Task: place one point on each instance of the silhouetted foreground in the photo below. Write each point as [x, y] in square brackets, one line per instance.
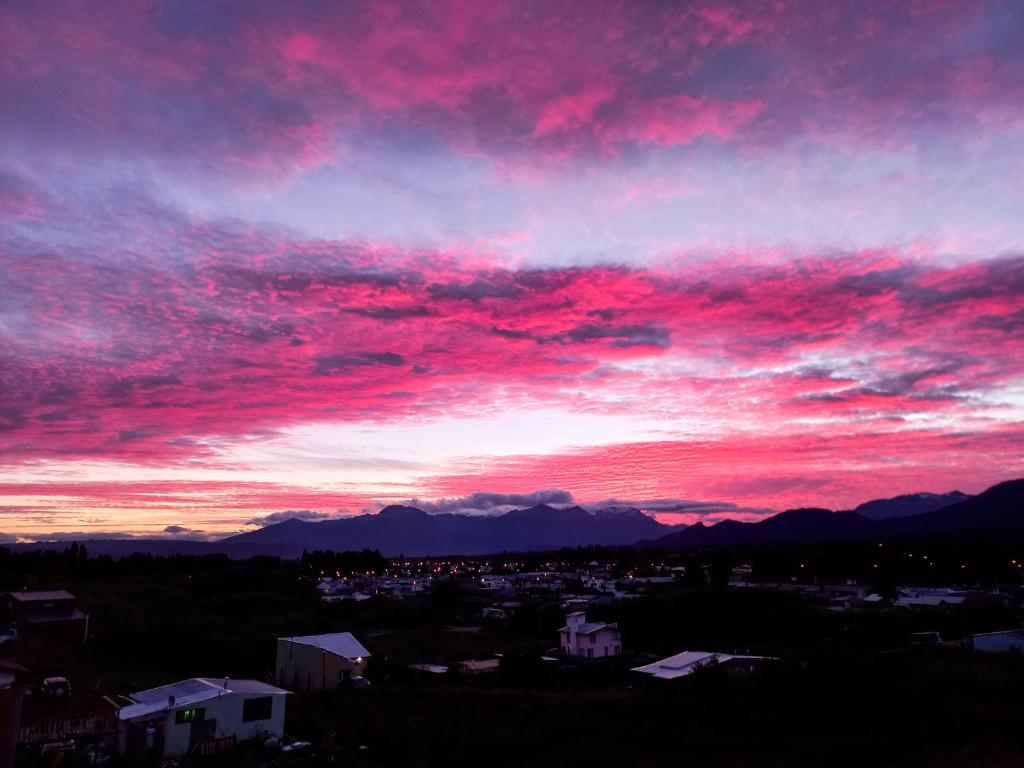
[848, 689]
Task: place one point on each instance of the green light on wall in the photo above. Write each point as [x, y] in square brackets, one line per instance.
[191, 715]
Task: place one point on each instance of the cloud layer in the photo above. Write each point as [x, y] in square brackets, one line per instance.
[764, 253]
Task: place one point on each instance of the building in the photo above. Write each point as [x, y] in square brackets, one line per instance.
[999, 642]
[200, 716]
[686, 663]
[47, 616]
[479, 667]
[924, 597]
[589, 640]
[320, 662]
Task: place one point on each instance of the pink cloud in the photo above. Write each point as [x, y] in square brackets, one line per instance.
[782, 471]
[249, 332]
[255, 88]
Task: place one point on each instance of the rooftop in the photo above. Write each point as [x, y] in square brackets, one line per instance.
[340, 644]
[589, 627]
[188, 692]
[687, 663]
[1018, 633]
[42, 596]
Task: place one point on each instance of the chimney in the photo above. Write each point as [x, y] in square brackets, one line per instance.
[573, 621]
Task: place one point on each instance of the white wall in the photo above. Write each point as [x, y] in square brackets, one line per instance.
[998, 642]
[302, 667]
[227, 711]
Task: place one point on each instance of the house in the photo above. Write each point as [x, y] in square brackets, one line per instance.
[998, 642]
[45, 616]
[199, 716]
[686, 663]
[589, 640]
[319, 662]
[479, 666]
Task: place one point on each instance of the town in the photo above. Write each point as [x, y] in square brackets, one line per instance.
[354, 658]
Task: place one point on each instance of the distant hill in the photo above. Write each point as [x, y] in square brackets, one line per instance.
[999, 508]
[407, 530]
[911, 504]
[793, 525]
[411, 531]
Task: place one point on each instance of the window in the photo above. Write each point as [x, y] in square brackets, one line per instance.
[190, 715]
[257, 709]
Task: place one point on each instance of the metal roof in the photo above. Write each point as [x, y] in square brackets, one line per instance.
[340, 644]
[189, 692]
[41, 596]
[590, 627]
[687, 662]
[1017, 633]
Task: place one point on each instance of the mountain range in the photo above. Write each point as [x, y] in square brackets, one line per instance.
[408, 530]
[911, 504]
[1001, 507]
[398, 530]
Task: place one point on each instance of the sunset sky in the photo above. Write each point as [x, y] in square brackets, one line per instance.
[261, 256]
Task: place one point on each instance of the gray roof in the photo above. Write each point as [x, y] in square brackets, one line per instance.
[687, 662]
[1017, 633]
[189, 692]
[340, 644]
[42, 596]
[590, 627]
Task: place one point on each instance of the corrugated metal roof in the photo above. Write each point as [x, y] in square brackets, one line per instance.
[189, 692]
[340, 644]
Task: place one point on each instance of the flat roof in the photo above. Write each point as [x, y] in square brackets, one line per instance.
[339, 643]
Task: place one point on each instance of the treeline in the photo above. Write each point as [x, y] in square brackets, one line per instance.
[46, 567]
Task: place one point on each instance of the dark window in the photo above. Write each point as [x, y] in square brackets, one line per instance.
[257, 709]
[191, 715]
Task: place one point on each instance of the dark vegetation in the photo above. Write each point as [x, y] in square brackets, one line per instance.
[847, 691]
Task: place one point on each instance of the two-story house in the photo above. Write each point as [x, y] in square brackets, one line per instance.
[589, 640]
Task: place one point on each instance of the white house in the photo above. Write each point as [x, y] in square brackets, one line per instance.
[319, 662]
[589, 640]
[199, 716]
[688, 662]
[1007, 640]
